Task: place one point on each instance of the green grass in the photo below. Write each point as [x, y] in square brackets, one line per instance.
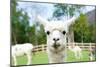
[41, 58]
[71, 57]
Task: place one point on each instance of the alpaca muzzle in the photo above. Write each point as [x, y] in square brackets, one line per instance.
[55, 45]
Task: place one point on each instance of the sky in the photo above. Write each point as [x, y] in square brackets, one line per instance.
[43, 9]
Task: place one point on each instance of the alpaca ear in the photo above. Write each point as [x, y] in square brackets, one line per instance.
[71, 21]
[41, 20]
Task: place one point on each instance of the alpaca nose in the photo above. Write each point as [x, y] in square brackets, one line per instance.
[56, 39]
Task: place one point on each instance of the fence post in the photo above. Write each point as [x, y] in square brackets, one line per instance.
[43, 48]
[90, 52]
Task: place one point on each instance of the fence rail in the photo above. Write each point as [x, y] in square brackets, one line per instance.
[84, 46]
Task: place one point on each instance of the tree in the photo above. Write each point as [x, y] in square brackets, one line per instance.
[19, 24]
[31, 34]
[41, 36]
[92, 32]
[81, 29]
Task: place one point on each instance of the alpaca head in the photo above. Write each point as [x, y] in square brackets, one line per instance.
[56, 32]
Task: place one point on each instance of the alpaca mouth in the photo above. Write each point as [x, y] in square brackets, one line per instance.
[55, 45]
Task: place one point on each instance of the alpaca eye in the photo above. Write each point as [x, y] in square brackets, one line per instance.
[64, 32]
[48, 32]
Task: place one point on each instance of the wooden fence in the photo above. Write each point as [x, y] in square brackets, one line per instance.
[84, 46]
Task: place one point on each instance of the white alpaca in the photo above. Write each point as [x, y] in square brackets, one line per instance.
[77, 51]
[56, 38]
[20, 50]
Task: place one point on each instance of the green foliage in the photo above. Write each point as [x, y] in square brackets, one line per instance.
[92, 32]
[31, 34]
[19, 24]
[21, 31]
[41, 36]
[83, 31]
